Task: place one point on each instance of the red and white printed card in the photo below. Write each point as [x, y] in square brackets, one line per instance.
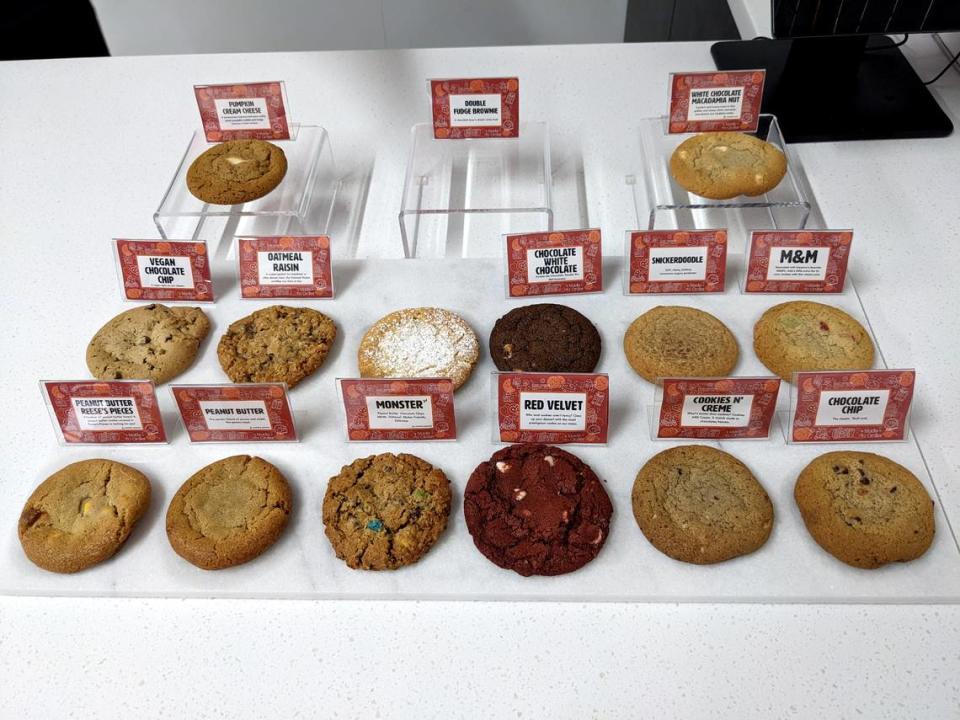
[677, 261]
[475, 108]
[285, 267]
[798, 261]
[167, 270]
[554, 263]
[552, 407]
[851, 406]
[88, 412]
[714, 101]
[235, 413]
[718, 408]
[243, 111]
[398, 408]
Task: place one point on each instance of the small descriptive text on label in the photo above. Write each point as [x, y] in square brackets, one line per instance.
[89, 412]
[235, 414]
[551, 408]
[472, 110]
[107, 413]
[242, 113]
[717, 408]
[676, 261]
[398, 408]
[553, 411]
[561, 262]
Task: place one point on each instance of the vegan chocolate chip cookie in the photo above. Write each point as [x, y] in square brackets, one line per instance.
[82, 514]
[545, 338]
[802, 335]
[228, 512]
[276, 344]
[537, 510]
[385, 511]
[723, 165]
[153, 342]
[865, 509]
[237, 171]
[680, 342]
[701, 505]
[419, 342]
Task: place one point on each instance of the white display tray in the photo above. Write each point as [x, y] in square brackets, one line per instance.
[789, 568]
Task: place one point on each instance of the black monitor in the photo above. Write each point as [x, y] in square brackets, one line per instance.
[833, 74]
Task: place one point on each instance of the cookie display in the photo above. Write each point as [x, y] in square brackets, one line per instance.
[82, 514]
[237, 171]
[276, 344]
[805, 336]
[153, 342]
[537, 510]
[386, 511]
[419, 342]
[701, 505]
[723, 165]
[228, 512]
[545, 338]
[865, 509]
[673, 341]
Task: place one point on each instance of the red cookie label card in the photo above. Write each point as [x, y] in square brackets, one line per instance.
[551, 407]
[165, 270]
[798, 261]
[715, 101]
[718, 408]
[285, 267]
[851, 406]
[554, 263]
[677, 261]
[475, 108]
[235, 413]
[398, 408]
[89, 412]
[243, 111]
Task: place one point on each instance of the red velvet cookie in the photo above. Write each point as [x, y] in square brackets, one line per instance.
[537, 510]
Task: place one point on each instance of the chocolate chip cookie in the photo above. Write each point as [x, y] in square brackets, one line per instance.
[419, 342]
[701, 505]
[804, 336]
[276, 344]
[228, 512]
[679, 342]
[723, 165]
[237, 171]
[545, 338]
[82, 514]
[153, 342]
[865, 509]
[385, 511]
[537, 510]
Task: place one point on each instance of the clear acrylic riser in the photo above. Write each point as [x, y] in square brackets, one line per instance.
[303, 203]
[662, 204]
[461, 196]
[790, 567]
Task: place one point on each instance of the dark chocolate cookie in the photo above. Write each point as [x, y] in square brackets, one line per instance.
[545, 338]
[537, 510]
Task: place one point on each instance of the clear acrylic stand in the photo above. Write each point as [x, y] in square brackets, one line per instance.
[662, 204]
[302, 204]
[461, 196]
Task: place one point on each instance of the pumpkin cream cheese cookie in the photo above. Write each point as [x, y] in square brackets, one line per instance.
[82, 514]
[807, 336]
[419, 342]
[237, 171]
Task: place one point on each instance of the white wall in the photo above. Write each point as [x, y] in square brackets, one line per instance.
[152, 27]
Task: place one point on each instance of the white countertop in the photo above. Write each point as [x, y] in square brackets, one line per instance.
[87, 149]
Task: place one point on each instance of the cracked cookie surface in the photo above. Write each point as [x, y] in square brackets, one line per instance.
[700, 505]
[675, 341]
[236, 171]
[865, 509]
[723, 165]
[276, 344]
[385, 511]
[545, 338]
[82, 514]
[802, 335]
[537, 510]
[153, 342]
[228, 512]
[419, 342]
